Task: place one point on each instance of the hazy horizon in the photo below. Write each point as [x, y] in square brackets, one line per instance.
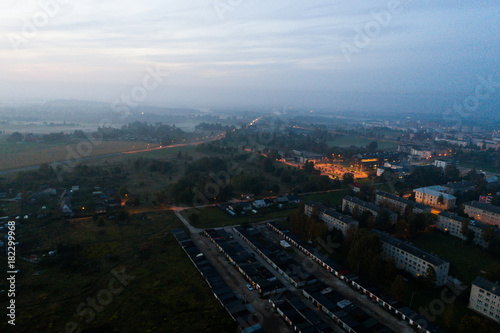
[388, 55]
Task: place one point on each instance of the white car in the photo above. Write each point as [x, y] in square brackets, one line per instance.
[249, 287]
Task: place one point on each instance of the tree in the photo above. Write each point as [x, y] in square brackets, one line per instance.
[440, 199]
[350, 235]
[376, 271]
[123, 191]
[451, 172]
[348, 178]
[464, 230]
[101, 221]
[382, 221]
[390, 269]
[309, 167]
[355, 212]
[398, 288]
[488, 234]
[15, 137]
[430, 276]
[366, 246]
[474, 324]
[161, 197]
[372, 146]
[449, 317]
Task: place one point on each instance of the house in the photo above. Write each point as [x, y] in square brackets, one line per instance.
[421, 152]
[269, 202]
[485, 298]
[100, 208]
[412, 259]
[483, 212]
[259, 204]
[435, 197]
[356, 187]
[493, 182]
[381, 170]
[66, 209]
[444, 163]
[246, 205]
[293, 199]
[281, 200]
[112, 202]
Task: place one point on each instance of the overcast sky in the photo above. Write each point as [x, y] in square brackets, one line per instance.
[237, 52]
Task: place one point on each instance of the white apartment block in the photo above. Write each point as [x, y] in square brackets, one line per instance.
[399, 205]
[431, 195]
[332, 218]
[443, 163]
[412, 259]
[348, 204]
[483, 212]
[485, 298]
[452, 224]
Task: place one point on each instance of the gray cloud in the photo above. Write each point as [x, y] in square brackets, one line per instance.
[280, 46]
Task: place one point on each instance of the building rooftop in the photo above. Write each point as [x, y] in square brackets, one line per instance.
[362, 203]
[459, 185]
[484, 206]
[435, 191]
[341, 217]
[402, 200]
[435, 260]
[487, 285]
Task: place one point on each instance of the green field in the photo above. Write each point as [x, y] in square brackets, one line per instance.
[166, 293]
[333, 198]
[468, 260]
[13, 147]
[481, 167]
[213, 217]
[358, 141]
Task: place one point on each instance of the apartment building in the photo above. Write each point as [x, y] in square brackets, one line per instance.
[411, 258]
[435, 197]
[399, 205]
[348, 204]
[483, 212]
[452, 224]
[332, 218]
[485, 298]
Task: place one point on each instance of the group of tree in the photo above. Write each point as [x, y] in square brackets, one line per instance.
[309, 228]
